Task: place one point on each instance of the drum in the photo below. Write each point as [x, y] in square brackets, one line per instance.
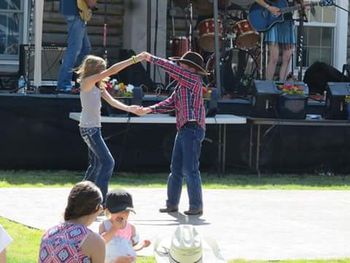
[206, 30]
[246, 36]
[179, 46]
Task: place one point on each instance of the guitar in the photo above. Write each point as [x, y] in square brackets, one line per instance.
[85, 8]
[262, 20]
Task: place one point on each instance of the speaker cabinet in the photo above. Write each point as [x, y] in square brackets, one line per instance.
[292, 106]
[336, 107]
[264, 100]
[51, 57]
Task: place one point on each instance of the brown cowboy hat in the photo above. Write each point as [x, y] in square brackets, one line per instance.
[192, 59]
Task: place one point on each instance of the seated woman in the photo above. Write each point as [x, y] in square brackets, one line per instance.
[72, 241]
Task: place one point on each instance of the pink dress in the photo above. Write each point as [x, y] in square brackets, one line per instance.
[62, 243]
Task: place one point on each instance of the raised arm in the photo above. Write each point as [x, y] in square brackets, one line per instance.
[184, 77]
[114, 69]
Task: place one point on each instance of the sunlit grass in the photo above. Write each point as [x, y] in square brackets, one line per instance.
[157, 180]
[25, 247]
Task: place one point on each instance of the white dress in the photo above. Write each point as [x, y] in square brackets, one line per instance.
[5, 239]
[121, 243]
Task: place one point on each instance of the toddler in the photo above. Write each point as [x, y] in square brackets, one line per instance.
[120, 236]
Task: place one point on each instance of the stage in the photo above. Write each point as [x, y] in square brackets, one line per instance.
[37, 133]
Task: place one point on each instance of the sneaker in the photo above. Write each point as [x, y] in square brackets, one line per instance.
[168, 210]
[194, 212]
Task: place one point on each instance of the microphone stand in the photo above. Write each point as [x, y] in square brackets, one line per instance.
[155, 38]
[300, 42]
[217, 48]
[149, 33]
[190, 33]
[105, 56]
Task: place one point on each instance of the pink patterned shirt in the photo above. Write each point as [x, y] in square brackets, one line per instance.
[187, 98]
[62, 243]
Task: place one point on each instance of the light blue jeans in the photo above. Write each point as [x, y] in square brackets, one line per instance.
[101, 162]
[185, 163]
[78, 46]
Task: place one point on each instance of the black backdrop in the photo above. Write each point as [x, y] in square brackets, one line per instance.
[36, 133]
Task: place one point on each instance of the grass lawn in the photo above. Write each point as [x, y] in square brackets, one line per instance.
[26, 243]
[25, 247]
[210, 181]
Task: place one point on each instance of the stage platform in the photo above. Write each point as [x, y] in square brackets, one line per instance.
[37, 133]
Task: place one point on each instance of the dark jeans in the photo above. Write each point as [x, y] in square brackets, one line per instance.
[101, 162]
[185, 163]
[78, 46]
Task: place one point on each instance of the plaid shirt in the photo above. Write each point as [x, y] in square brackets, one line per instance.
[187, 98]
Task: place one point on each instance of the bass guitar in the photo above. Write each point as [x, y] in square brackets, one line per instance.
[85, 8]
[262, 19]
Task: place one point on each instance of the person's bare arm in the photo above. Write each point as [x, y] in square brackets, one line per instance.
[91, 3]
[94, 248]
[119, 223]
[90, 81]
[118, 104]
[274, 10]
[3, 256]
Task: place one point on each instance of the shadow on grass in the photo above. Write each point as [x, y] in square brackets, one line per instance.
[230, 181]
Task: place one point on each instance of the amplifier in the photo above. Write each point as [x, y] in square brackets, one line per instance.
[336, 105]
[51, 57]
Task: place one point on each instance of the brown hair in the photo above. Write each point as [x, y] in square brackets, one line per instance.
[83, 199]
[92, 65]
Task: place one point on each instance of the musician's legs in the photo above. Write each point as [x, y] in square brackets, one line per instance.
[286, 59]
[273, 59]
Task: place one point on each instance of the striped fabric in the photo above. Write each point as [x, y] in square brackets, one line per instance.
[187, 98]
[62, 244]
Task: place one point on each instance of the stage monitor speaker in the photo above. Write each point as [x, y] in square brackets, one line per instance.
[264, 101]
[336, 107]
[292, 106]
[51, 57]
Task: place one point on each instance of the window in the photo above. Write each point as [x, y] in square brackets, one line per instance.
[11, 21]
[319, 36]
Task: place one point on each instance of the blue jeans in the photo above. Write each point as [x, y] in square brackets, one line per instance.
[78, 46]
[185, 163]
[101, 162]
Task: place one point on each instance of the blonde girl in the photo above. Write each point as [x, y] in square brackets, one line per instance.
[92, 76]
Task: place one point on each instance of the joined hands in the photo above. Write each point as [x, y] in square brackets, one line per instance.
[139, 110]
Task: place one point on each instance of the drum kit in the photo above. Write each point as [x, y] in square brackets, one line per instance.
[236, 35]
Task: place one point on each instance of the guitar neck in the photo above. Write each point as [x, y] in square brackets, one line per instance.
[295, 7]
